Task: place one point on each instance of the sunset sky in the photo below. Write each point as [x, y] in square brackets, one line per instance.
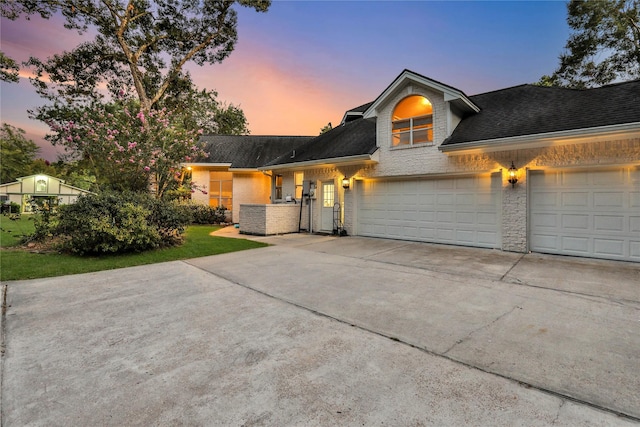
[302, 64]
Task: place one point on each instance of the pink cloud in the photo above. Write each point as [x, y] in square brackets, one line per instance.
[278, 94]
[37, 37]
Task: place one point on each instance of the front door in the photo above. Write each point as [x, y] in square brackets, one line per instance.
[326, 212]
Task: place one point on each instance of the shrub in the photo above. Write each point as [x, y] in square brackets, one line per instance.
[120, 222]
[202, 214]
[10, 208]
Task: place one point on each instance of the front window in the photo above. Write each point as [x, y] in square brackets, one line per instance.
[277, 187]
[328, 194]
[412, 122]
[41, 185]
[221, 189]
[299, 178]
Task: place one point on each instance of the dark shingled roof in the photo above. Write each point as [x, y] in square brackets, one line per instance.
[361, 109]
[248, 151]
[355, 113]
[351, 139]
[529, 110]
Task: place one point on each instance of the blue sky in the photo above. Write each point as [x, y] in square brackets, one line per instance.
[303, 63]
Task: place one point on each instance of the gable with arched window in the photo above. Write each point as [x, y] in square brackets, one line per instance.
[412, 122]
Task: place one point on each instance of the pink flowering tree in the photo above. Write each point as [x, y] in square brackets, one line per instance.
[127, 149]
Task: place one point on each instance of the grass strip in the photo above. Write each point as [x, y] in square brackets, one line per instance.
[18, 264]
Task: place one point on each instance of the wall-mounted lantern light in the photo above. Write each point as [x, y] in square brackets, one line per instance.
[513, 175]
[345, 183]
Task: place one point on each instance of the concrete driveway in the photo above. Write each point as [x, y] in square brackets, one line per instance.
[319, 330]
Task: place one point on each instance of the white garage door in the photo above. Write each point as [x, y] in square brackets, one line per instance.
[586, 213]
[461, 211]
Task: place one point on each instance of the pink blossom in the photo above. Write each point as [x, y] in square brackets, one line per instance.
[147, 168]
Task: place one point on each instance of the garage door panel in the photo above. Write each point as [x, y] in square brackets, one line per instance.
[591, 213]
[487, 237]
[609, 223]
[467, 199]
[458, 211]
[547, 242]
[574, 221]
[574, 179]
[445, 217]
[426, 233]
[575, 244]
[549, 220]
[466, 217]
[608, 199]
[466, 236]
[608, 247]
[444, 184]
[445, 199]
[544, 199]
[446, 235]
[575, 199]
[635, 251]
[488, 218]
[608, 178]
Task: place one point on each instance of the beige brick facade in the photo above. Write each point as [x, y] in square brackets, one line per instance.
[248, 187]
[270, 219]
[429, 161]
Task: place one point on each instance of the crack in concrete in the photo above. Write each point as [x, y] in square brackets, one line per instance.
[460, 341]
[512, 267]
[367, 257]
[562, 403]
[622, 302]
[559, 395]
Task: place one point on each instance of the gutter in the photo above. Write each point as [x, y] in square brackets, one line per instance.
[546, 139]
[359, 158]
[222, 165]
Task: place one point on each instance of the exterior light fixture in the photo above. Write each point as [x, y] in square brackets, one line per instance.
[513, 175]
[345, 183]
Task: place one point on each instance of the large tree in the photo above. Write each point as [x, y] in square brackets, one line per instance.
[140, 45]
[8, 69]
[16, 153]
[604, 45]
[126, 148]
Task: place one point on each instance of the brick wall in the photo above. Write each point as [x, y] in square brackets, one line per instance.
[269, 219]
[249, 188]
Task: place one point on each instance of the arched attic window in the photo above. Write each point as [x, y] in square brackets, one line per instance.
[412, 122]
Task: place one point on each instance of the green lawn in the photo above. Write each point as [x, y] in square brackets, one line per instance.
[17, 264]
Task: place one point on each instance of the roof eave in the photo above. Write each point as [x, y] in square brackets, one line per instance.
[232, 169]
[348, 114]
[205, 164]
[574, 136]
[450, 93]
[342, 161]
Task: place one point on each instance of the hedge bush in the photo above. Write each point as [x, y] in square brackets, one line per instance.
[203, 214]
[118, 223]
[10, 208]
